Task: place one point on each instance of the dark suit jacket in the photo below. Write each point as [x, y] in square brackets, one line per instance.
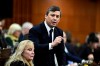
[71, 56]
[18, 63]
[22, 37]
[44, 56]
[87, 50]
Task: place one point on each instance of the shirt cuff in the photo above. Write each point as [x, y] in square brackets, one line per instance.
[83, 61]
[66, 50]
[50, 48]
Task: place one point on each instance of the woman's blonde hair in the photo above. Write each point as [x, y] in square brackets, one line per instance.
[17, 56]
[14, 27]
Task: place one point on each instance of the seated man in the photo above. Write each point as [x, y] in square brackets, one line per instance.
[69, 56]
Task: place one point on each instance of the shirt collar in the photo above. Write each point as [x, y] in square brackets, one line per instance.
[47, 27]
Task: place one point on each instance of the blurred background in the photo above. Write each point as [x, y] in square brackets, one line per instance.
[79, 17]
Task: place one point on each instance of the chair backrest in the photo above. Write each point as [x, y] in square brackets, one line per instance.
[5, 53]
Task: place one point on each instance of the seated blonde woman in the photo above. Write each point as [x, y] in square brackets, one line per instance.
[13, 34]
[23, 55]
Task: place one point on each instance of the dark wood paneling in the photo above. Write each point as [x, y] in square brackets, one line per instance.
[22, 11]
[98, 17]
[80, 17]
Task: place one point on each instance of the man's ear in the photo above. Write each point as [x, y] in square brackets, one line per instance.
[45, 16]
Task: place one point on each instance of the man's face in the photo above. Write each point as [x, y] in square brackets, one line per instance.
[0, 27]
[2, 22]
[52, 18]
[95, 45]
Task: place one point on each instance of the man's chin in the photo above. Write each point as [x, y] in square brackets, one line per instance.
[54, 25]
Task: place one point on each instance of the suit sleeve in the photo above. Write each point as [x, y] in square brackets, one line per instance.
[73, 58]
[59, 50]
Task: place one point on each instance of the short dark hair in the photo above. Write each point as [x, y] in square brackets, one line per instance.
[92, 38]
[53, 8]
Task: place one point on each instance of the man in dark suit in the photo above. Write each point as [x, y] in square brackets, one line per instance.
[3, 43]
[45, 46]
[70, 56]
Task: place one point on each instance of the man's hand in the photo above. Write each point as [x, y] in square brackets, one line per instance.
[56, 41]
[90, 57]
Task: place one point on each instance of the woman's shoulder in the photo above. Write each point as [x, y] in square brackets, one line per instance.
[18, 63]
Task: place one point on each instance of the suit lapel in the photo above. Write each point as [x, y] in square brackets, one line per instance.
[55, 33]
[44, 31]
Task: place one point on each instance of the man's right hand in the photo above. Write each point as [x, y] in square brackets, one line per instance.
[56, 41]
